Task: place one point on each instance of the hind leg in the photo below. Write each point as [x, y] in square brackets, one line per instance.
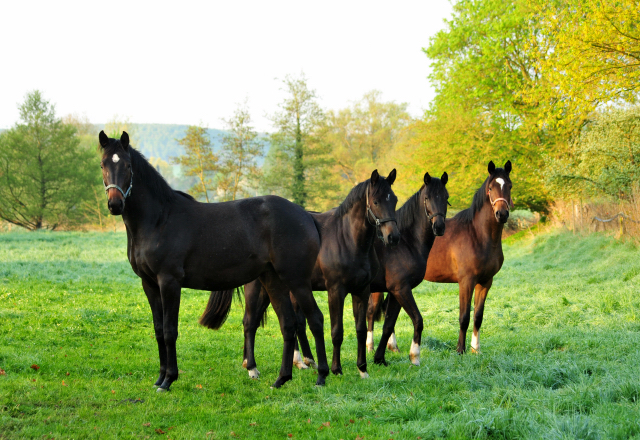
[375, 302]
[301, 334]
[336, 309]
[466, 289]
[155, 301]
[279, 296]
[478, 311]
[256, 302]
[405, 298]
[390, 318]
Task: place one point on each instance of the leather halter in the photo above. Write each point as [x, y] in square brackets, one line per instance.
[493, 202]
[113, 185]
[377, 221]
[430, 216]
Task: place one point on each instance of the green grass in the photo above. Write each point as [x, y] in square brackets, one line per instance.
[559, 342]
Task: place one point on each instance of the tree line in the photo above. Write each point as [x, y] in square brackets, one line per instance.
[550, 85]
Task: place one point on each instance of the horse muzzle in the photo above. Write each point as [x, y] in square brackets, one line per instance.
[502, 215]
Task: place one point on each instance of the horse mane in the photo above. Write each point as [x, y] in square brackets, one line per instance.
[354, 196]
[406, 215]
[467, 215]
[147, 173]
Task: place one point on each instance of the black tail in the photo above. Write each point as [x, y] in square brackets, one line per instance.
[218, 308]
[263, 320]
[379, 311]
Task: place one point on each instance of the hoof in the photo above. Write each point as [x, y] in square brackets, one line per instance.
[298, 361]
[162, 390]
[475, 350]
[414, 354]
[337, 371]
[159, 381]
[254, 373]
[321, 381]
[393, 348]
[416, 362]
[382, 362]
[369, 348]
[310, 362]
[281, 381]
[363, 374]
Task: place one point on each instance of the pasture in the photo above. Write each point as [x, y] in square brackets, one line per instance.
[560, 356]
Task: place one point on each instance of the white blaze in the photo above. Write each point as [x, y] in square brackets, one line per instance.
[414, 353]
[500, 180]
[115, 158]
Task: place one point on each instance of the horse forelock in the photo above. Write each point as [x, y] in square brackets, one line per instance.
[359, 191]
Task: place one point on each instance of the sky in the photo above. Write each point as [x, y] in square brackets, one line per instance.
[194, 62]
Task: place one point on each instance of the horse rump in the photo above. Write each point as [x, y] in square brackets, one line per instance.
[218, 307]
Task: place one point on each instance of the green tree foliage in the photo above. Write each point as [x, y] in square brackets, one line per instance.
[198, 160]
[44, 175]
[291, 163]
[606, 158]
[482, 63]
[240, 147]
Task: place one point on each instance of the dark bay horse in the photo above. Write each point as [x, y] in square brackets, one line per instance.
[174, 241]
[402, 267]
[470, 251]
[346, 264]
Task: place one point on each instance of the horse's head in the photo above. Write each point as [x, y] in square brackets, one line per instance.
[499, 191]
[381, 207]
[116, 170]
[436, 199]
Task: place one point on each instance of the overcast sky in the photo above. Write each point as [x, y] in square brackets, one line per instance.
[192, 62]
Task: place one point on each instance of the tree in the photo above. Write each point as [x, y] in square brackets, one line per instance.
[592, 48]
[198, 160]
[483, 63]
[239, 150]
[44, 175]
[287, 167]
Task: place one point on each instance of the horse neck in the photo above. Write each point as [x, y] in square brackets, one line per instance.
[488, 229]
[419, 231]
[142, 207]
[361, 232]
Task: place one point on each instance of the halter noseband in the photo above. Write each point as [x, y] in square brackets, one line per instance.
[430, 216]
[493, 202]
[378, 221]
[124, 194]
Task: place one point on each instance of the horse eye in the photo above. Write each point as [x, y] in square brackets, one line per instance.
[375, 202]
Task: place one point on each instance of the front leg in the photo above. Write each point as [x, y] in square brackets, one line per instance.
[390, 318]
[336, 308]
[170, 293]
[466, 288]
[360, 301]
[155, 301]
[478, 312]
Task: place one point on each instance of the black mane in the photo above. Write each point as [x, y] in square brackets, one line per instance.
[406, 215]
[358, 192]
[467, 215]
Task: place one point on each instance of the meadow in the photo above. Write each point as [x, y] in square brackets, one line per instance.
[559, 343]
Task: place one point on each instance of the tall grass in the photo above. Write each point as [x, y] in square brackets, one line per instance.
[559, 354]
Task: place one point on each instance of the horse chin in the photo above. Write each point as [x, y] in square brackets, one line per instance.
[502, 218]
[116, 210]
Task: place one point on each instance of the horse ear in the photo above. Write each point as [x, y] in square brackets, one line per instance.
[124, 140]
[427, 178]
[374, 177]
[492, 167]
[507, 166]
[445, 178]
[391, 177]
[104, 139]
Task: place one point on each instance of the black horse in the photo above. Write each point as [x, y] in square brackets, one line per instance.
[420, 220]
[174, 241]
[346, 264]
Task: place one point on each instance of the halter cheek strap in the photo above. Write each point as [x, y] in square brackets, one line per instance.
[377, 221]
[124, 194]
[430, 216]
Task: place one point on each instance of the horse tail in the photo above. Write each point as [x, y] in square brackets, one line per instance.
[382, 307]
[263, 320]
[218, 308]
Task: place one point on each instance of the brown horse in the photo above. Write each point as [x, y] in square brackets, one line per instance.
[470, 252]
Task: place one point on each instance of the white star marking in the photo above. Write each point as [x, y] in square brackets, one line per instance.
[115, 158]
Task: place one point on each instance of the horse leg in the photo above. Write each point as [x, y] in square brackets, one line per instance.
[405, 298]
[390, 318]
[360, 301]
[155, 301]
[478, 312]
[256, 302]
[279, 295]
[170, 294]
[306, 301]
[466, 289]
[336, 309]
[375, 302]
[301, 333]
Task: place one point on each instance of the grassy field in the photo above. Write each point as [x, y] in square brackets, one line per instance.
[560, 354]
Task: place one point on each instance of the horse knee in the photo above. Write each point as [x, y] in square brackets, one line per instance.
[170, 335]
